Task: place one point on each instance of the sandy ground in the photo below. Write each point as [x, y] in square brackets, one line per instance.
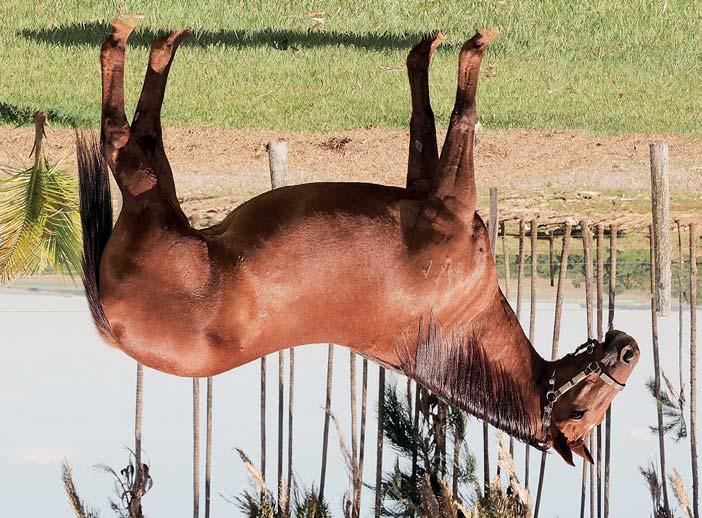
[216, 169]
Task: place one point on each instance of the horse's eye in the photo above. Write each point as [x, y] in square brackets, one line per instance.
[577, 414]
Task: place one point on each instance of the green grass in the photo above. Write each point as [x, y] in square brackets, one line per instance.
[602, 66]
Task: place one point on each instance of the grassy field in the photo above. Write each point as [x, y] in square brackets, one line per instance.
[327, 65]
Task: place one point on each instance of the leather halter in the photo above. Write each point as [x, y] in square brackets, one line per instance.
[554, 394]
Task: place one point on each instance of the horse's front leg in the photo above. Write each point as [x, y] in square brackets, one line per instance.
[455, 181]
[146, 125]
[423, 152]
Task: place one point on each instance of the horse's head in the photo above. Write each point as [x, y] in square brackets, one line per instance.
[581, 388]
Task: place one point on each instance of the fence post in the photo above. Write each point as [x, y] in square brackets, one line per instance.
[278, 162]
[493, 221]
[660, 207]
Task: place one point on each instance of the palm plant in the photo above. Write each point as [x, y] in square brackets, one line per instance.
[402, 496]
[672, 410]
[78, 506]
[511, 501]
[654, 486]
[261, 503]
[131, 485]
[129, 489]
[38, 216]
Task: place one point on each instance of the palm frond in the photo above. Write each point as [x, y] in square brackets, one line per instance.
[38, 218]
[673, 416]
[21, 223]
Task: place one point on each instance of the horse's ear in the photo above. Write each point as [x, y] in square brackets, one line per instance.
[580, 448]
[560, 444]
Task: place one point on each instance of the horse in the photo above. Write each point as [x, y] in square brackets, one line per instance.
[401, 275]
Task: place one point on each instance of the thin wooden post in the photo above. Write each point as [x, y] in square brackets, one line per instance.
[493, 245]
[608, 416]
[379, 443]
[281, 420]
[196, 447]
[657, 367]
[612, 274]
[681, 303]
[415, 450]
[660, 206]
[278, 163]
[550, 258]
[600, 338]
[520, 279]
[263, 418]
[532, 318]
[505, 256]
[327, 415]
[587, 262]
[556, 338]
[362, 435]
[493, 221]
[354, 428]
[138, 414]
[208, 448]
[520, 269]
[693, 370]
[291, 409]
[562, 273]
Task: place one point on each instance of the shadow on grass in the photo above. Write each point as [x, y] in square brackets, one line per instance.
[93, 33]
[20, 115]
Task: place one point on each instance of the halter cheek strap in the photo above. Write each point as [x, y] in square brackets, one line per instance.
[554, 394]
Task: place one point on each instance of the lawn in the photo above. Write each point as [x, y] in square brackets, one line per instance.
[329, 65]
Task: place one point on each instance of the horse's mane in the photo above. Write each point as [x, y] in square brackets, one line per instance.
[457, 368]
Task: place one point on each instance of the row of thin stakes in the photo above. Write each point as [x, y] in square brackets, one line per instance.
[599, 488]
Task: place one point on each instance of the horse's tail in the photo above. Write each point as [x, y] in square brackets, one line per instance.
[96, 221]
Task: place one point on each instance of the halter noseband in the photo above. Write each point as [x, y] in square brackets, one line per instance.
[554, 394]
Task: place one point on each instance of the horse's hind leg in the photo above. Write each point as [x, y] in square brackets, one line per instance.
[455, 184]
[115, 130]
[134, 173]
[423, 152]
[146, 126]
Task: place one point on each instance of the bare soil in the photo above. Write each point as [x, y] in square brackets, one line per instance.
[556, 173]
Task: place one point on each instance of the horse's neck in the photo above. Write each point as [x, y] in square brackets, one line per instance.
[489, 369]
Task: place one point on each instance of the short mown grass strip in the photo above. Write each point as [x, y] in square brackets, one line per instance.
[598, 65]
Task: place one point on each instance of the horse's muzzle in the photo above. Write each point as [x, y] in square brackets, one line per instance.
[620, 348]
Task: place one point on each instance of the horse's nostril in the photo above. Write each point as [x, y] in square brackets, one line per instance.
[627, 354]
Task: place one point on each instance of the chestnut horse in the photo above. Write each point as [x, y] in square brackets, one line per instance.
[403, 276]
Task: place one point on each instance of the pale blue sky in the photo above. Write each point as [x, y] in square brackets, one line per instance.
[64, 394]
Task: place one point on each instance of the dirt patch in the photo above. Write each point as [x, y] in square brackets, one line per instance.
[530, 167]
